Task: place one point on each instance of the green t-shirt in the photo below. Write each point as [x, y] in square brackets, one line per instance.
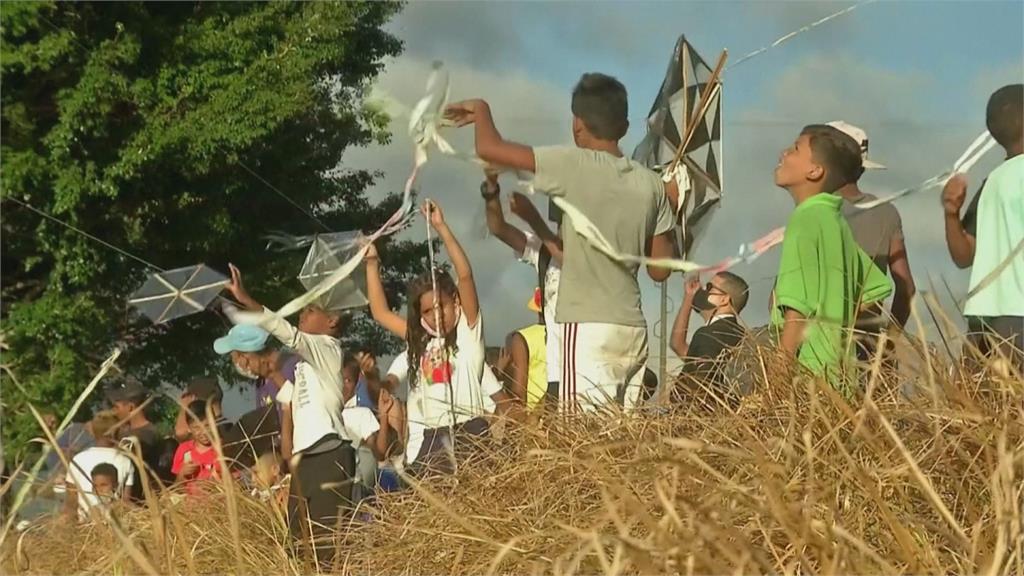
[825, 276]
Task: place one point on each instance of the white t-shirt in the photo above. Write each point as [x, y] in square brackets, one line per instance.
[80, 475]
[431, 405]
[315, 406]
[360, 423]
[531, 256]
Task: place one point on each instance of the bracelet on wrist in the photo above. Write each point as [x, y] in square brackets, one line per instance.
[487, 192]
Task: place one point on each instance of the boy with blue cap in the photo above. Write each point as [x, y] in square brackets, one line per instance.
[313, 433]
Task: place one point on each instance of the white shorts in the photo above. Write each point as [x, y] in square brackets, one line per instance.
[600, 363]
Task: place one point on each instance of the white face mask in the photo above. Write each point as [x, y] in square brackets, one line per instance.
[244, 373]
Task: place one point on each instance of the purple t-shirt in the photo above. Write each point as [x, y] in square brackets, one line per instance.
[267, 391]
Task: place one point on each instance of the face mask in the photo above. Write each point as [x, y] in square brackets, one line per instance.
[244, 373]
[700, 301]
[434, 333]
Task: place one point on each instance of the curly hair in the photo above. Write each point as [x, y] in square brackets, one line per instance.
[416, 337]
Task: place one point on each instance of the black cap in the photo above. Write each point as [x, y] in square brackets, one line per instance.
[205, 388]
[130, 390]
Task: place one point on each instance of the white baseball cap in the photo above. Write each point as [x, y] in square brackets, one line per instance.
[861, 138]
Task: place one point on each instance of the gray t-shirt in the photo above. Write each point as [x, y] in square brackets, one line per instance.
[627, 203]
[874, 228]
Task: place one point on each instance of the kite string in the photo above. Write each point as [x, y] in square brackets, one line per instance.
[797, 32]
[85, 234]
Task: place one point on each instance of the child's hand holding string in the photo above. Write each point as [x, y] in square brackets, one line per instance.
[432, 212]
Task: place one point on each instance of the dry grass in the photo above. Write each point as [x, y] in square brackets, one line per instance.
[796, 480]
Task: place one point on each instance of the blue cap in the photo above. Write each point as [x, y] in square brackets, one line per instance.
[242, 338]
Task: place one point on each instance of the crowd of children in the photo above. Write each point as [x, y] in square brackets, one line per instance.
[346, 429]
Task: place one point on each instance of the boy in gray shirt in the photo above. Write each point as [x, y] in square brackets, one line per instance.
[604, 333]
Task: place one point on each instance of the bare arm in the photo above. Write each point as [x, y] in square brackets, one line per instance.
[490, 146]
[681, 326]
[520, 355]
[463, 271]
[660, 246]
[792, 332]
[525, 209]
[181, 430]
[899, 266]
[71, 501]
[510, 235]
[958, 241]
[379, 308]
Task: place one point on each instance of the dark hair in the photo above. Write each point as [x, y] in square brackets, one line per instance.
[104, 469]
[600, 102]
[196, 412]
[1004, 115]
[736, 288]
[837, 153]
[416, 337]
[349, 363]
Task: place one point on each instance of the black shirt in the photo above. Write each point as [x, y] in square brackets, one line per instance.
[710, 349]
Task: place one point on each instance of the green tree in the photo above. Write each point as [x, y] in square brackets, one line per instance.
[163, 129]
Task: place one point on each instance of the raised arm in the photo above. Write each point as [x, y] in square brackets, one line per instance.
[490, 146]
[463, 271]
[959, 242]
[379, 308]
[512, 237]
[522, 207]
[682, 324]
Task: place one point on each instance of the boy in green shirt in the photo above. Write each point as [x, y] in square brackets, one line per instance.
[824, 277]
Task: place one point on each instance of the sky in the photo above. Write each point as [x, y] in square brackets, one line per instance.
[914, 74]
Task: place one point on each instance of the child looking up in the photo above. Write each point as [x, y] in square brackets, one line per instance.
[444, 362]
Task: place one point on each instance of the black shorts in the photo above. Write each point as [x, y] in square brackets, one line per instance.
[991, 333]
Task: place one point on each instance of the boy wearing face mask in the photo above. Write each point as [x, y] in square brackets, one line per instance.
[719, 303]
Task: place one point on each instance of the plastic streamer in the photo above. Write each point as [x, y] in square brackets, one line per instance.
[425, 123]
[750, 251]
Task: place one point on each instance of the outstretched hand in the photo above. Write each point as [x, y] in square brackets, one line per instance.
[235, 287]
[692, 286]
[462, 113]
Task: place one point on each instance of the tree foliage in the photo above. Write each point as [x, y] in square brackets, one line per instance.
[163, 129]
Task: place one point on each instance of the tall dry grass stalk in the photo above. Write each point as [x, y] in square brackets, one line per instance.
[921, 474]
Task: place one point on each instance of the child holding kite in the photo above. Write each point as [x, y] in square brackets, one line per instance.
[444, 363]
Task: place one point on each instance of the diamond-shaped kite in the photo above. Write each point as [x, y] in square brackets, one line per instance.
[175, 293]
[326, 254]
[686, 82]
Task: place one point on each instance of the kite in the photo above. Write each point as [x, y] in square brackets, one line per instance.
[425, 122]
[175, 293]
[326, 253]
[689, 102]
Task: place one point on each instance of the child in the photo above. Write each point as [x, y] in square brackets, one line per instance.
[991, 229]
[543, 250]
[824, 277]
[604, 333]
[444, 363]
[82, 495]
[196, 458]
[269, 484]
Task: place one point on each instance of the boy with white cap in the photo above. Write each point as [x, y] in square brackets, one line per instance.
[879, 232]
